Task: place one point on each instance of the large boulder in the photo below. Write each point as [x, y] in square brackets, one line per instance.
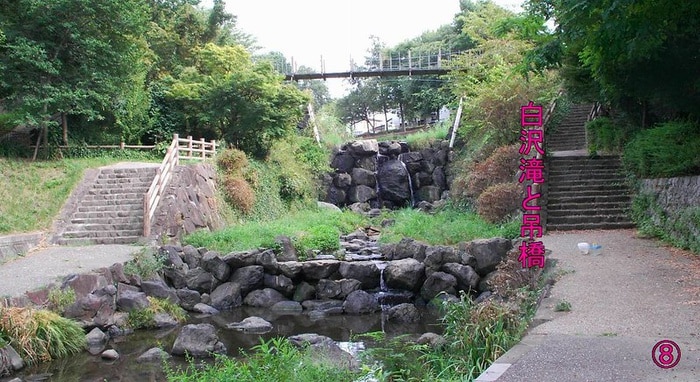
[96, 341]
[436, 256]
[407, 274]
[328, 289]
[280, 283]
[251, 325]
[158, 288]
[343, 162]
[393, 180]
[237, 260]
[408, 248]
[153, 355]
[214, 264]
[366, 272]
[466, 276]
[335, 196]
[360, 302]
[291, 269]
[263, 298]
[405, 313]
[324, 351]
[319, 269]
[200, 280]
[198, 340]
[488, 253]
[268, 261]
[364, 148]
[438, 282]
[128, 300]
[288, 251]
[362, 177]
[361, 194]
[188, 298]
[304, 291]
[226, 296]
[248, 278]
[192, 256]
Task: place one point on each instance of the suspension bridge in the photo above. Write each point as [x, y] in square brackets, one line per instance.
[389, 65]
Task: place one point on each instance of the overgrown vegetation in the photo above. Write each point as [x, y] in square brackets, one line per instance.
[666, 150]
[145, 318]
[681, 230]
[273, 360]
[145, 263]
[59, 299]
[40, 335]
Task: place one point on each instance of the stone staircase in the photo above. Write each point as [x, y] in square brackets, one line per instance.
[583, 192]
[108, 209]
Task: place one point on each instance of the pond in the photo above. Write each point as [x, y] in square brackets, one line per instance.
[341, 328]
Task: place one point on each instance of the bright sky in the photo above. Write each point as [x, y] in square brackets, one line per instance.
[305, 30]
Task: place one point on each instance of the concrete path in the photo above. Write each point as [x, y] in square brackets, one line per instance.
[50, 264]
[636, 293]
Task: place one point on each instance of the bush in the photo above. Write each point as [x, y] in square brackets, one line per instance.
[667, 150]
[40, 335]
[499, 201]
[604, 134]
[500, 167]
[145, 264]
[239, 193]
[145, 318]
[232, 161]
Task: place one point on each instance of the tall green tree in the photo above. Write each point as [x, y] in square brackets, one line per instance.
[72, 57]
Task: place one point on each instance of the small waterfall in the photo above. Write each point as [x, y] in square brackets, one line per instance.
[410, 182]
[383, 290]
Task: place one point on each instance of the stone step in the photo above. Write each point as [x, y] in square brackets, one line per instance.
[134, 208]
[573, 219]
[583, 187]
[131, 226]
[110, 197]
[559, 194]
[585, 178]
[111, 202]
[590, 226]
[102, 234]
[124, 181]
[100, 240]
[140, 185]
[117, 190]
[573, 199]
[556, 212]
[121, 171]
[622, 205]
[606, 172]
[106, 217]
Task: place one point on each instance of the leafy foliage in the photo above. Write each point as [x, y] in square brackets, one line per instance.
[146, 263]
[606, 134]
[667, 150]
[499, 202]
[145, 318]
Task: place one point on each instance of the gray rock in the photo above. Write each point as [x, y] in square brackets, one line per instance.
[429, 193]
[198, 340]
[367, 163]
[96, 341]
[164, 320]
[360, 302]
[287, 307]
[393, 182]
[291, 269]
[404, 313]
[226, 296]
[304, 291]
[322, 205]
[319, 269]
[409, 248]
[200, 280]
[343, 162]
[361, 194]
[188, 298]
[263, 298]
[438, 282]
[432, 339]
[158, 288]
[488, 253]
[205, 309]
[288, 251]
[110, 355]
[364, 148]
[436, 256]
[172, 256]
[10, 359]
[128, 300]
[280, 283]
[248, 278]
[330, 289]
[175, 277]
[153, 355]
[362, 177]
[366, 272]
[237, 260]
[192, 256]
[118, 275]
[253, 325]
[335, 196]
[325, 306]
[269, 262]
[214, 264]
[466, 276]
[342, 180]
[407, 274]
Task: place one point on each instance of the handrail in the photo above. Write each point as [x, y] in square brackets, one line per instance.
[152, 197]
[595, 111]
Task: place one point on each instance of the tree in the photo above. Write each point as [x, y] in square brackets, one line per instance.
[74, 57]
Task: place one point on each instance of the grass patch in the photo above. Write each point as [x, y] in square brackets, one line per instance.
[33, 193]
[59, 299]
[446, 227]
[297, 225]
[273, 360]
[562, 306]
[145, 318]
[40, 335]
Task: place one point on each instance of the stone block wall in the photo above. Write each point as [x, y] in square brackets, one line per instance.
[387, 174]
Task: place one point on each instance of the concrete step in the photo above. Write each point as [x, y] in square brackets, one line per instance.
[109, 197]
[581, 186]
[106, 217]
[573, 219]
[559, 194]
[590, 226]
[557, 212]
[607, 172]
[575, 199]
[125, 181]
[622, 205]
[102, 234]
[127, 226]
[111, 202]
[100, 240]
[134, 208]
[143, 185]
[117, 190]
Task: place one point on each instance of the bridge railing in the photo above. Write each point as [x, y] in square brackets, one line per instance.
[179, 148]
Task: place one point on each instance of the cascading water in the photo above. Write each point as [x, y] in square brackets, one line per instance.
[410, 182]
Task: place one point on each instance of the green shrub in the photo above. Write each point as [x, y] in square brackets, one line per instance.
[604, 134]
[59, 299]
[667, 150]
[40, 335]
[146, 263]
[500, 201]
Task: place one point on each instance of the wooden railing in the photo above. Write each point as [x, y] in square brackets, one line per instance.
[595, 111]
[179, 149]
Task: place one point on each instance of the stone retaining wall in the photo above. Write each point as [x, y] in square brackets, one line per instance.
[19, 244]
[387, 174]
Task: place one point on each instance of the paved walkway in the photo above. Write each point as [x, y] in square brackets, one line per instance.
[43, 266]
[636, 293]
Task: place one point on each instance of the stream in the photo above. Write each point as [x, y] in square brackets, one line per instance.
[341, 328]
